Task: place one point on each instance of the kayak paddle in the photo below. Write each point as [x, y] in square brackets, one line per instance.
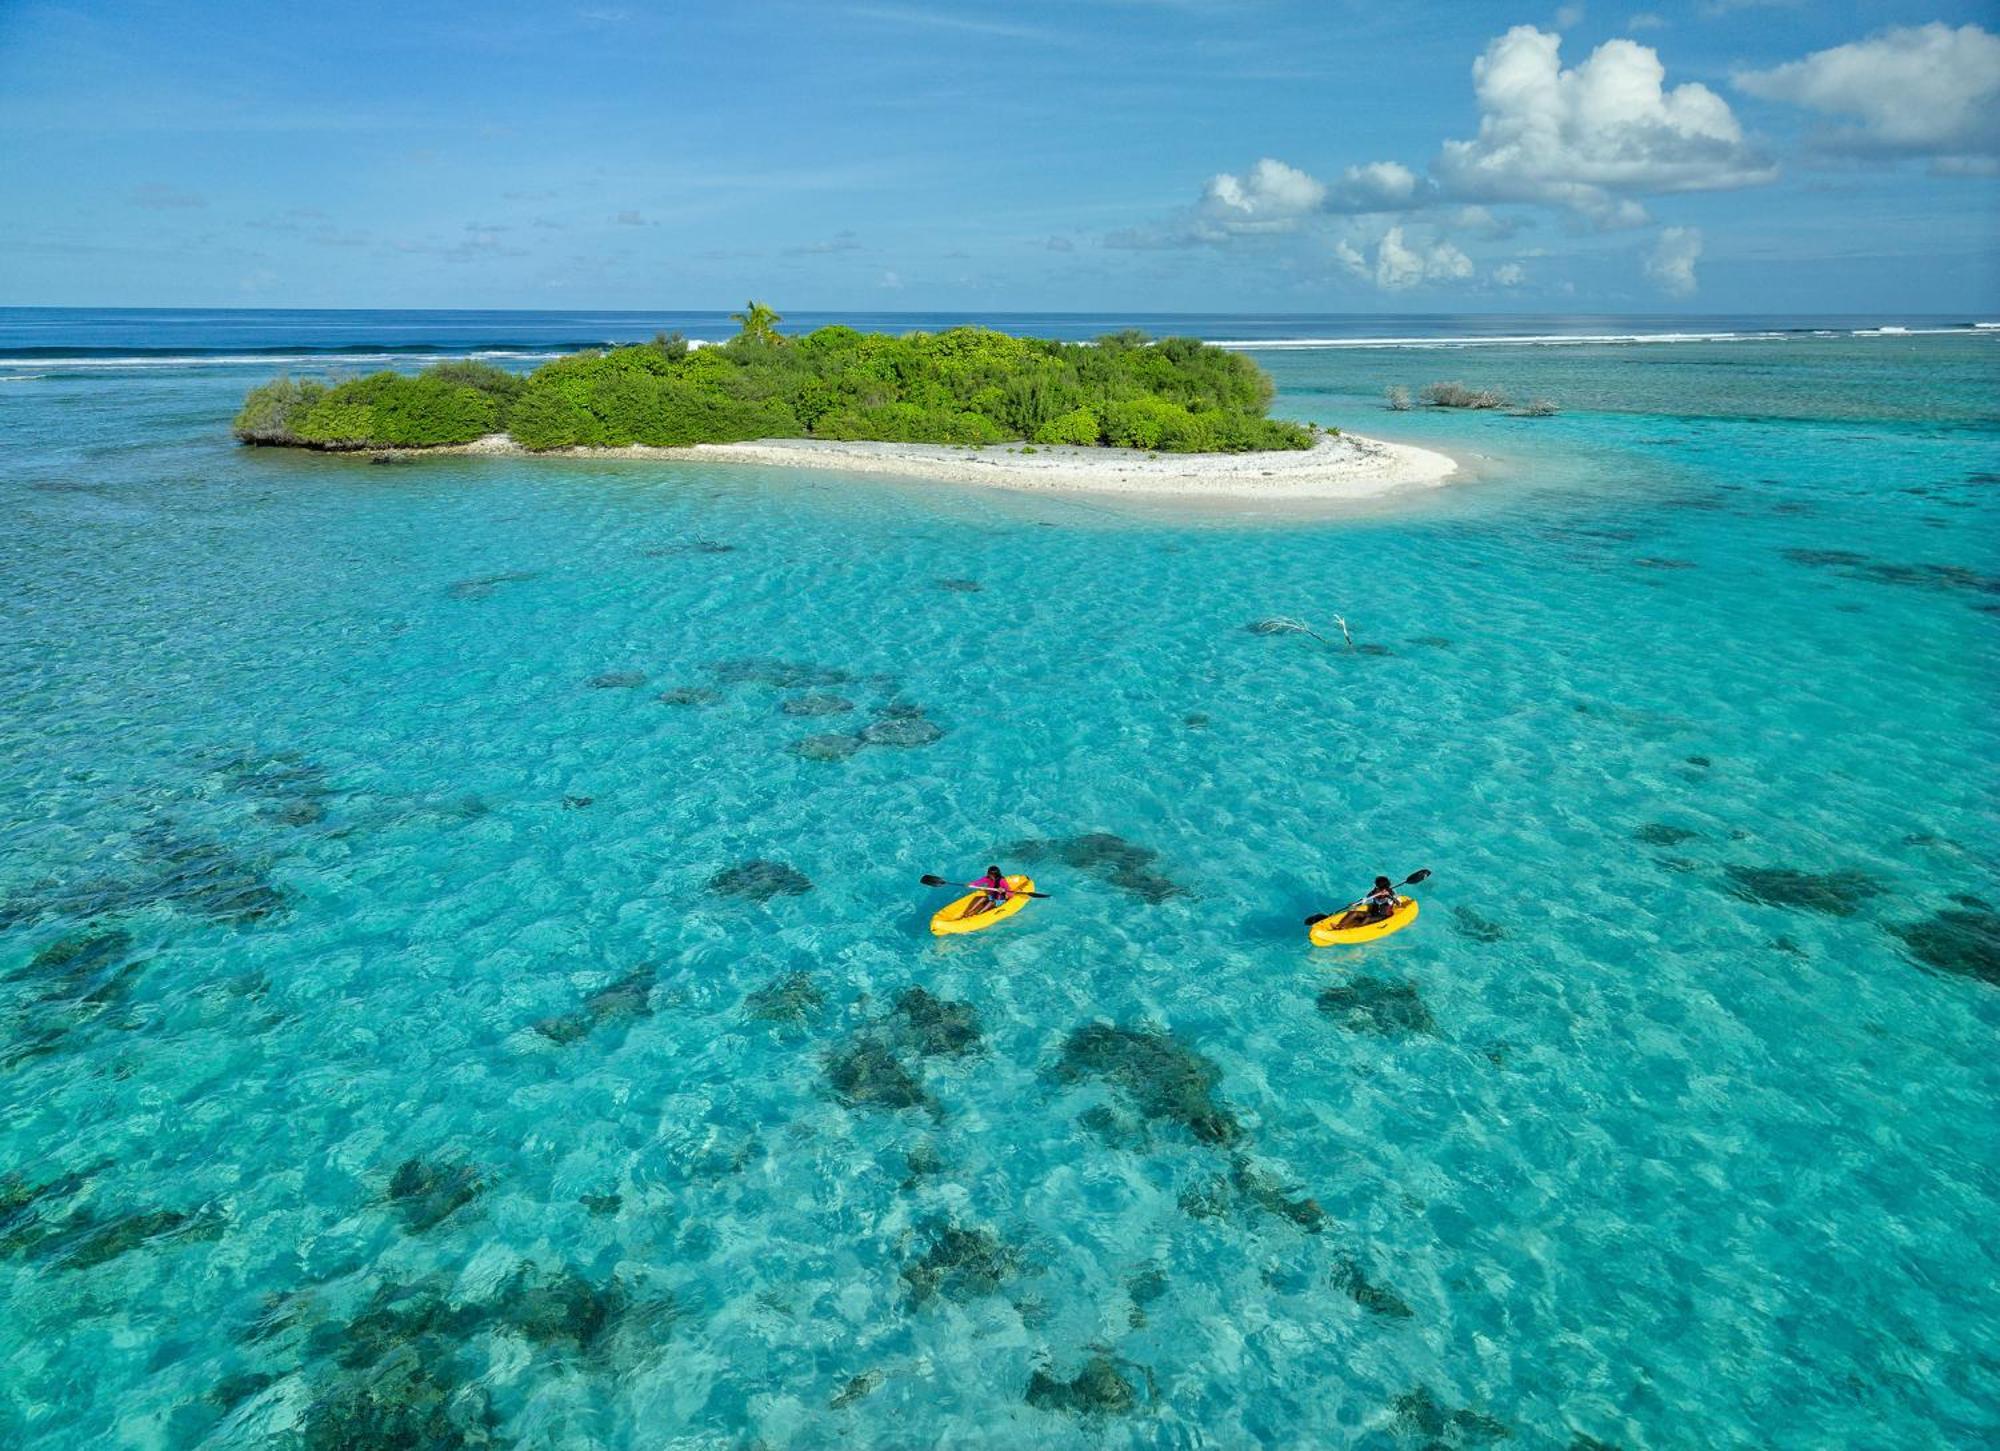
[1410, 881]
[931, 881]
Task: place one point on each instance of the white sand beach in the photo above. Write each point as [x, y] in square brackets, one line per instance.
[1340, 468]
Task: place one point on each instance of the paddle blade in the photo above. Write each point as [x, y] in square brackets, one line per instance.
[1317, 918]
[1415, 877]
[930, 881]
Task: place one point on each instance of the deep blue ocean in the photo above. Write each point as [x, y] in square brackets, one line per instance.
[464, 979]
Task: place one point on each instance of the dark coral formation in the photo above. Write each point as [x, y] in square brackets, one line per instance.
[690, 695]
[793, 999]
[1376, 1005]
[1919, 576]
[866, 1073]
[1660, 833]
[1961, 941]
[690, 546]
[816, 704]
[85, 1240]
[1377, 1299]
[1098, 1389]
[1162, 1078]
[560, 1309]
[1836, 894]
[760, 881]
[937, 1027]
[480, 586]
[1476, 925]
[961, 1265]
[960, 586]
[1268, 1194]
[856, 1388]
[1654, 562]
[411, 1397]
[783, 674]
[1124, 864]
[625, 1001]
[294, 791]
[424, 1193]
[825, 747]
[172, 869]
[1419, 1413]
[617, 680]
[902, 728]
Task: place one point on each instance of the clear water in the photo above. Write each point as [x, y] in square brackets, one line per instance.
[366, 1122]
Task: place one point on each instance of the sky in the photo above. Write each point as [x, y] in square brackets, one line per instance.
[1705, 156]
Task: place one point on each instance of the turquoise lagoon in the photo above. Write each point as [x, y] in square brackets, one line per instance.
[444, 1004]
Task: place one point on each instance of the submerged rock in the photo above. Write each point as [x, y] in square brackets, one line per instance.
[760, 881]
[1098, 1389]
[409, 1398]
[690, 546]
[624, 1001]
[867, 1074]
[825, 747]
[1124, 864]
[72, 962]
[1476, 926]
[961, 1265]
[617, 680]
[815, 705]
[482, 585]
[1267, 1194]
[857, 1387]
[1920, 576]
[901, 731]
[425, 1194]
[84, 1242]
[690, 695]
[784, 674]
[1161, 1077]
[793, 999]
[1659, 833]
[1962, 941]
[960, 586]
[1419, 1412]
[937, 1027]
[205, 877]
[1195, 721]
[560, 1308]
[1374, 1005]
[1837, 894]
[1376, 1299]
[1652, 562]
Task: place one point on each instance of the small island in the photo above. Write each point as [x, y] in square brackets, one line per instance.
[1122, 414]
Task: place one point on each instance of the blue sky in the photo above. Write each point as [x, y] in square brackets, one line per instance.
[1119, 155]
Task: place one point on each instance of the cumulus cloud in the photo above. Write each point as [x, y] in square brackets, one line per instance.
[1920, 90]
[1591, 138]
[1270, 197]
[1509, 274]
[1671, 262]
[1401, 264]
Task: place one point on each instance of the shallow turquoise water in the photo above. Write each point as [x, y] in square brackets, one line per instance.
[412, 1071]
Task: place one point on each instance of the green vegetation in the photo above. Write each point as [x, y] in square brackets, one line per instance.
[965, 386]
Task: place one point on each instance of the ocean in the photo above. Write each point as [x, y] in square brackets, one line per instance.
[464, 978]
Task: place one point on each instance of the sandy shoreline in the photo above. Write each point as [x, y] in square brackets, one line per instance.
[1338, 469]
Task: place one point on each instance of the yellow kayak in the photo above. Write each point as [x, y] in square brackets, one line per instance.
[959, 916]
[1325, 934]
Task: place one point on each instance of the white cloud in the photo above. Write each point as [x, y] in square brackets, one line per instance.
[1921, 90]
[1510, 274]
[1380, 186]
[1272, 197]
[1591, 138]
[1645, 20]
[1568, 17]
[891, 280]
[1671, 262]
[1401, 264]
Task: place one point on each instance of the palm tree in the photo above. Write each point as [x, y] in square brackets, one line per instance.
[759, 323]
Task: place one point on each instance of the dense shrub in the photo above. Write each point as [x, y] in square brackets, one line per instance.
[1457, 395]
[1078, 426]
[962, 386]
[271, 412]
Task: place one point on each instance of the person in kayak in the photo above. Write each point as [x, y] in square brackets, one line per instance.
[1378, 906]
[993, 889]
